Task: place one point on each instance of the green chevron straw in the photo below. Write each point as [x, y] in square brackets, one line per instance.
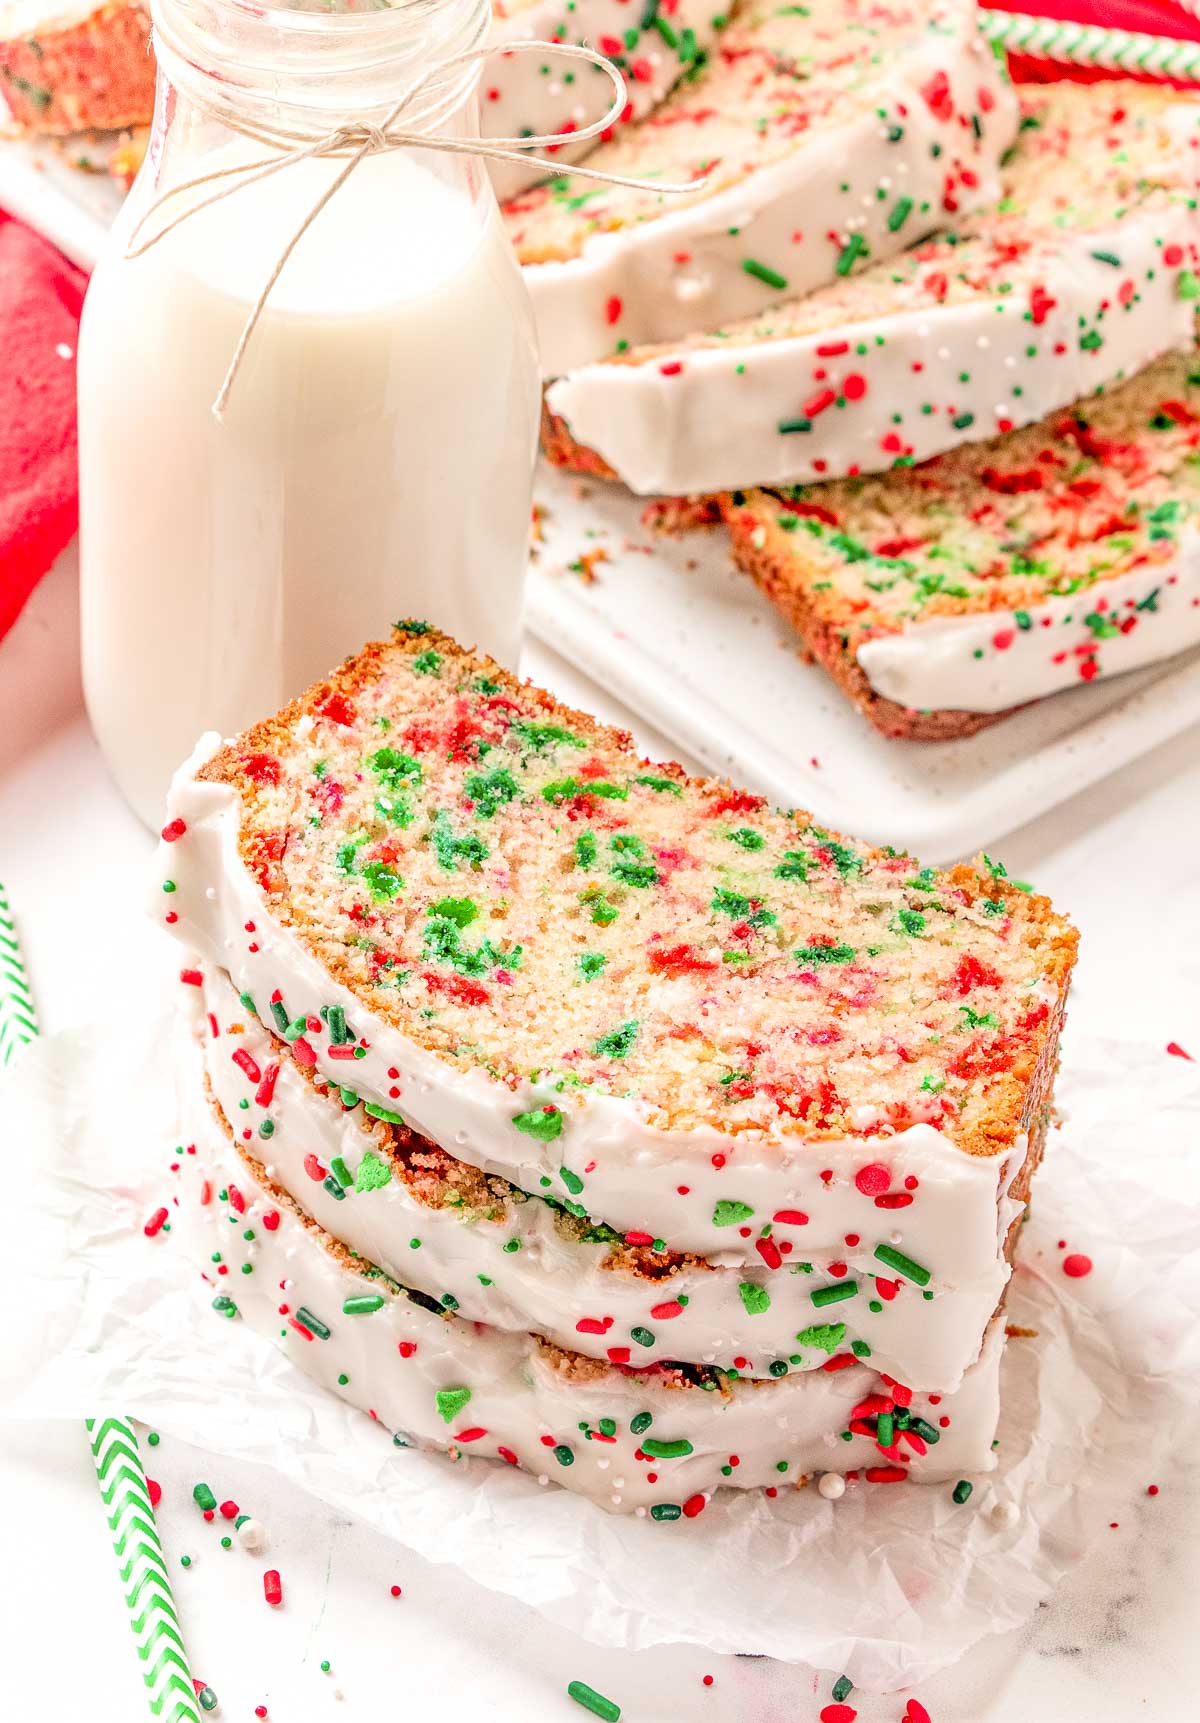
[123, 1486]
[1090, 45]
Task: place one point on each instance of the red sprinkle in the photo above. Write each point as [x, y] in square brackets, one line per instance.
[155, 1491]
[173, 830]
[664, 1312]
[395, 1590]
[154, 1224]
[917, 1712]
[272, 1587]
[872, 1180]
[191, 978]
[1077, 1265]
[838, 1714]
[1177, 1052]
[406, 1348]
[789, 1217]
[694, 1505]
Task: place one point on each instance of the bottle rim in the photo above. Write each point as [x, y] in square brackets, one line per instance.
[320, 67]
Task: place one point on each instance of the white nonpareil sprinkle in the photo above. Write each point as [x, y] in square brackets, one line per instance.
[1005, 1515]
[832, 1486]
[252, 1535]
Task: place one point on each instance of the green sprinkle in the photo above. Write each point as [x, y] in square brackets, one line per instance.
[592, 1701]
[764, 273]
[544, 1123]
[204, 1498]
[902, 1264]
[312, 1322]
[746, 838]
[362, 1305]
[564, 1455]
[642, 1336]
[834, 1294]
[827, 1335]
[843, 1687]
[427, 663]
[450, 1402]
[372, 1173]
[572, 1180]
[377, 1112]
[824, 954]
[962, 1490]
[727, 1213]
[591, 964]
[659, 1450]
[850, 253]
[666, 1511]
[1109, 257]
[617, 1043]
[900, 212]
[755, 1298]
[641, 1421]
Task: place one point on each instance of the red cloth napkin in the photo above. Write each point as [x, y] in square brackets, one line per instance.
[40, 299]
[41, 295]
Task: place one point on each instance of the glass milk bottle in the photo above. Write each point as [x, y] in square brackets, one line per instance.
[375, 454]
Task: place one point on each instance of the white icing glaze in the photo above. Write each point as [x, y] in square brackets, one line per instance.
[516, 95]
[684, 270]
[710, 421]
[506, 1398]
[679, 1186]
[989, 662]
[520, 1271]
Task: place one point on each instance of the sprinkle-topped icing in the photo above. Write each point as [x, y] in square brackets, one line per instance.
[1083, 271]
[800, 133]
[1001, 572]
[521, 95]
[658, 1442]
[516, 1260]
[405, 872]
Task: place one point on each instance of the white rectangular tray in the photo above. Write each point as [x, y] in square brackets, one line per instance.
[672, 629]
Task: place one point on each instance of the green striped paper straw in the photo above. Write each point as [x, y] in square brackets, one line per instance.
[123, 1487]
[18, 1019]
[1090, 45]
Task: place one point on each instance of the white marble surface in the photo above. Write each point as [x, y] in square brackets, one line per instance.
[1117, 1642]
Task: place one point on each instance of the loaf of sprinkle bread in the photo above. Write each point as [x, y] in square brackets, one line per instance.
[942, 596]
[710, 1116]
[1083, 271]
[806, 128]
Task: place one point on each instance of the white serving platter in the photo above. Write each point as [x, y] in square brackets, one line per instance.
[672, 629]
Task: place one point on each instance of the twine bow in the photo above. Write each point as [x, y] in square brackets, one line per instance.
[354, 140]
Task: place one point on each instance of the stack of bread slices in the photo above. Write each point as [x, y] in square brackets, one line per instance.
[565, 1110]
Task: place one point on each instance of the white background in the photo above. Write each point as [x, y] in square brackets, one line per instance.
[1118, 1641]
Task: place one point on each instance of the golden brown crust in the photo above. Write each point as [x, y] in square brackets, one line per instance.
[561, 449]
[776, 566]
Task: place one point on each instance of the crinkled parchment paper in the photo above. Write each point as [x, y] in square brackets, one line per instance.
[887, 1585]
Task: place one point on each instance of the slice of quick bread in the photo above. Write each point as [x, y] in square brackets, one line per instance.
[801, 134]
[689, 1014]
[940, 597]
[654, 46]
[1082, 272]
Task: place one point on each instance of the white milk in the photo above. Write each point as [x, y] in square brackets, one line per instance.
[374, 461]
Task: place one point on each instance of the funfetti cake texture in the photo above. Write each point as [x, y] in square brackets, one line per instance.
[70, 67]
[806, 129]
[702, 1111]
[1084, 271]
[521, 94]
[940, 597]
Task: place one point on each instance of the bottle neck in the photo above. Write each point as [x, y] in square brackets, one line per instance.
[303, 69]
